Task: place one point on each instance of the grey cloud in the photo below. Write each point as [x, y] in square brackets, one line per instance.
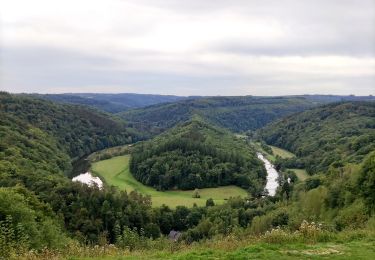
[44, 69]
[39, 70]
[334, 27]
[345, 47]
[311, 28]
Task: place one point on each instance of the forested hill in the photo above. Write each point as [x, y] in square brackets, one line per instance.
[77, 130]
[235, 113]
[112, 103]
[39, 205]
[330, 135]
[195, 154]
[322, 99]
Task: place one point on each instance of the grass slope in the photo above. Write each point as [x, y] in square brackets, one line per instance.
[281, 152]
[260, 250]
[276, 151]
[115, 171]
[301, 174]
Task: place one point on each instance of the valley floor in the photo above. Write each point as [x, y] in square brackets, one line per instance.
[115, 171]
[277, 151]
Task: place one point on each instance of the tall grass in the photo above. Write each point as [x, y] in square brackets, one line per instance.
[307, 233]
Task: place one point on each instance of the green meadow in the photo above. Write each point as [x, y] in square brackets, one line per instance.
[301, 174]
[275, 150]
[281, 152]
[115, 171]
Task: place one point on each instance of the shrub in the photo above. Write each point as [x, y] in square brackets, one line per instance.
[280, 219]
[210, 203]
[196, 194]
[152, 230]
[278, 235]
[312, 202]
[353, 216]
[371, 224]
[260, 224]
[131, 240]
[13, 239]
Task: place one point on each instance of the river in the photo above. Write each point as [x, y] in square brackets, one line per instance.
[89, 179]
[272, 175]
[271, 184]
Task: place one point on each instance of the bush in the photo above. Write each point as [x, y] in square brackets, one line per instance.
[312, 202]
[152, 230]
[280, 219]
[371, 224]
[312, 183]
[131, 240]
[13, 239]
[261, 224]
[196, 194]
[210, 202]
[353, 216]
[279, 236]
[26, 223]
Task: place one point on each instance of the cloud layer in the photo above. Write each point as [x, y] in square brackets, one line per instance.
[194, 47]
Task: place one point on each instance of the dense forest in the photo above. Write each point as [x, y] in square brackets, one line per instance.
[44, 214]
[197, 155]
[331, 135]
[235, 113]
[112, 103]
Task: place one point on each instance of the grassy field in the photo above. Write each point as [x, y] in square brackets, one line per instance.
[261, 250]
[276, 151]
[115, 171]
[281, 152]
[301, 174]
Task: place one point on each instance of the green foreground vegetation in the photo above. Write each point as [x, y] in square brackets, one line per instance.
[351, 250]
[276, 244]
[115, 171]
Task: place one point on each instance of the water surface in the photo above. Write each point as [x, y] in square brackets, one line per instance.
[88, 179]
[272, 175]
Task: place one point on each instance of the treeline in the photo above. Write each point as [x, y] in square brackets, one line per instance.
[238, 114]
[197, 155]
[328, 136]
[112, 103]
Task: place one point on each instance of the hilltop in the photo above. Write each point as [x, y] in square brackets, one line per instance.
[196, 154]
[237, 114]
[112, 103]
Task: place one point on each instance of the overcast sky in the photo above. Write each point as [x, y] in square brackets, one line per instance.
[188, 47]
